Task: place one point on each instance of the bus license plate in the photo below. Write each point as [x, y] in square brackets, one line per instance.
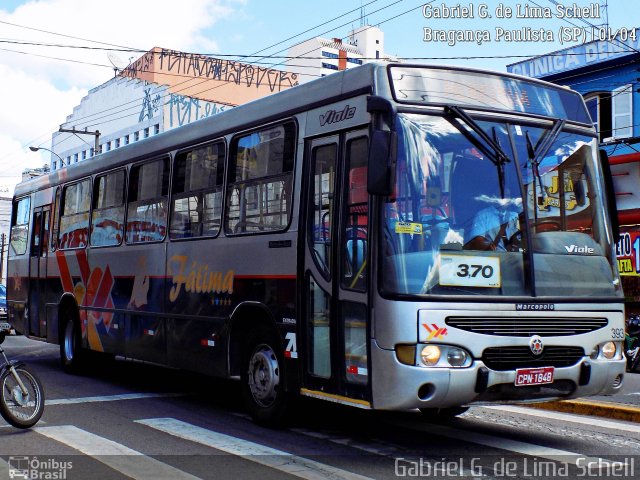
[534, 376]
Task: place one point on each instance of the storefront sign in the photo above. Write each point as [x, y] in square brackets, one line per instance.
[628, 253]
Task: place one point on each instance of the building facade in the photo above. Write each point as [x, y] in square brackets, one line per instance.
[319, 56]
[161, 90]
[607, 74]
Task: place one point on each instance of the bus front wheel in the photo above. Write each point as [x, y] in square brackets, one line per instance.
[263, 379]
[70, 343]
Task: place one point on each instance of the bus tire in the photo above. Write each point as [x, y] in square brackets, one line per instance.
[436, 415]
[71, 352]
[263, 380]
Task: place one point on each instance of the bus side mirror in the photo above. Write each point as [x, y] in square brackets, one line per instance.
[380, 170]
[610, 194]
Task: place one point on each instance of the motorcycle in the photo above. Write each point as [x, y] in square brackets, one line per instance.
[21, 392]
[632, 342]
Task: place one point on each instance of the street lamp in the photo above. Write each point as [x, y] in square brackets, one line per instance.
[35, 149]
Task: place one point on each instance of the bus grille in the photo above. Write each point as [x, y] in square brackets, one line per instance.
[526, 327]
[510, 358]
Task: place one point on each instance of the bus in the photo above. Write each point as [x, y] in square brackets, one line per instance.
[390, 237]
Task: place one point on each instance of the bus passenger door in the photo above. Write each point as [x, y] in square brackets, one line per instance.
[39, 249]
[334, 310]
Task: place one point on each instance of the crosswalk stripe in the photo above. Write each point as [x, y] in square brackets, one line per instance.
[4, 469]
[499, 442]
[567, 417]
[267, 456]
[109, 398]
[115, 455]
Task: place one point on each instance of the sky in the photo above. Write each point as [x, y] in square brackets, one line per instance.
[40, 84]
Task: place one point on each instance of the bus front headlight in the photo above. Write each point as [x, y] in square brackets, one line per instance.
[457, 357]
[609, 350]
[430, 355]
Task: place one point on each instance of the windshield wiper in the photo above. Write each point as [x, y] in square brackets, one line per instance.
[539, 151]
[495, 153]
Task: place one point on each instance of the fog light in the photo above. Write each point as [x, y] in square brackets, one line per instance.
[430, 355]
[609, 350]
[456, 357]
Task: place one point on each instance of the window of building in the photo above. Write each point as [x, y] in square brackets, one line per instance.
[74, 221]
[136, 136]
[196, 205]
[84, 154]
[329, 54]
[260, 180]
[75, 158]
[116, 143]
[599, 106]
[357, 61]
[107, 215]
[108, 146]
[146, 132]
[622, 111]
[91, 152]
[329, 66]
[68, 161]
[19, 227]
[147, 201]
[126, 139]
[377, 53]
[156, 129]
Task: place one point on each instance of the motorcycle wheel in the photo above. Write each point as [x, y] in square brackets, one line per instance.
[18, 409]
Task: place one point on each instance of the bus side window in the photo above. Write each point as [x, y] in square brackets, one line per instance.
[260, 180]
[356, 214]
[147, 201]
[196, 205]
[19, 227]
[74, 221]
[107, 216]
[55, 218]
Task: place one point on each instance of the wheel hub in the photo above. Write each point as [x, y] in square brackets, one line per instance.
[264, 375]
[18, 397]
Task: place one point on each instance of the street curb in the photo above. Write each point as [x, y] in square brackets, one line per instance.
[593, 408]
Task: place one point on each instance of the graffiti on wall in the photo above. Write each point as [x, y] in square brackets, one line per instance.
[197, 65]
[150, 104]
[183, 110]
[143, 64]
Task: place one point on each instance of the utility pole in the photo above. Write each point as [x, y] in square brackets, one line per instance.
[96, 134]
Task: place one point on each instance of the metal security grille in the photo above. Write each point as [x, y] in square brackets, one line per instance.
[526, 327]
[510, 358]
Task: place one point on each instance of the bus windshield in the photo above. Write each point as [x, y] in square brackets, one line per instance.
[495, 208]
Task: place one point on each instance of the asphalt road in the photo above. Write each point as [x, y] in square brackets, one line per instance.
[127, 419]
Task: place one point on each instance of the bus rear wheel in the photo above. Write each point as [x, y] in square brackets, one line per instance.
[263, 379]
[442, 414]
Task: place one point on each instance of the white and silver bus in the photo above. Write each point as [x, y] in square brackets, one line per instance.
[388, 237]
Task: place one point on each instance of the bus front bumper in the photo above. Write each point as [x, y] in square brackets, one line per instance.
[398, 387]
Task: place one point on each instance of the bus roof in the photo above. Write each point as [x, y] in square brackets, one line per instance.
[366, 79]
